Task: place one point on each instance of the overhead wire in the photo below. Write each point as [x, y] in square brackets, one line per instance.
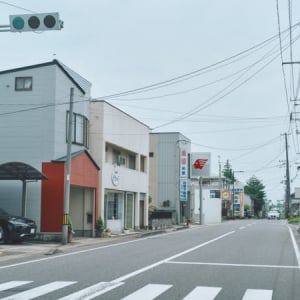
[16, 6]
[211, 99]
[198, 71]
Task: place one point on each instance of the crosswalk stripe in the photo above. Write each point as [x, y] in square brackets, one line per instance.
[252, 294]
[148, 292]
[93, 291]
[39, 291]
[203, 292]
[12, 284]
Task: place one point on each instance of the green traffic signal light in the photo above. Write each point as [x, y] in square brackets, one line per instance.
[35, 22]
[18, 23]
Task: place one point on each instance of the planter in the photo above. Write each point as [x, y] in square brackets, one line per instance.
[99, 232]
[70, 236]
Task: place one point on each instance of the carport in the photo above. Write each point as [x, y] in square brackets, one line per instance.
[20, 171]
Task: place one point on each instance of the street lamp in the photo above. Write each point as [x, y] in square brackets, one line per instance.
[233, 193]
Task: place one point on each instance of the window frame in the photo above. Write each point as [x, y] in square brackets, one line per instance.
[23, 80]
[82, 132]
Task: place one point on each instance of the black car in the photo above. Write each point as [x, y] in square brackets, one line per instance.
[14, 228]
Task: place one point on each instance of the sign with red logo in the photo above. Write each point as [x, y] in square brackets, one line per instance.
[200, 164]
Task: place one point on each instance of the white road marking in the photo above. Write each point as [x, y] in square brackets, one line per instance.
[258, 295]
[149, 267]
[203, 292]
[148, 292]
[296, 249]
[92, 291]
[97, 289]
[12, 284]
[231, 265]
[84, 251]
[241, 228]
[40, 291]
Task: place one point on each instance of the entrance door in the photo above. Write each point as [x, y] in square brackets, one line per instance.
[81, 210]
[129, 211]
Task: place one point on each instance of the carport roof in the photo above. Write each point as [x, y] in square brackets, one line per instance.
[19, 171]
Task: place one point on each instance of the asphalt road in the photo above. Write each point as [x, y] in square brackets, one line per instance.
[247, 259]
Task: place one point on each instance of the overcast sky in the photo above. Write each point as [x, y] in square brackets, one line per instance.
[229, 98]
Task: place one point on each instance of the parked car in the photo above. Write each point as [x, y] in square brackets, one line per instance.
[15, 228]
[273, 214]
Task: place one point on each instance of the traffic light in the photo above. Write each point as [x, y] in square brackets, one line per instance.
[35, 22]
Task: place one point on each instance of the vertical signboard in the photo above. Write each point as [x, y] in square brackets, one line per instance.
[183, 174]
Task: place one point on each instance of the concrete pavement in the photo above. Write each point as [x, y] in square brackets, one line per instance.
[34, 249]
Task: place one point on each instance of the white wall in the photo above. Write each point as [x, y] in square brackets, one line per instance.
[212, 211]
[113, 126]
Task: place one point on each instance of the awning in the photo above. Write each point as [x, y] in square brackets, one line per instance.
[20, 171]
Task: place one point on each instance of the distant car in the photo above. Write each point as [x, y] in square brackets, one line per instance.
[14, 228]
[273, 214]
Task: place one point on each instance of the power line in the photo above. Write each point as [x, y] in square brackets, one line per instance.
[198, 71]
[16, 6]
[212, 101]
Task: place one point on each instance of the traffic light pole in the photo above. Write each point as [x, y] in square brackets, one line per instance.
[4, 28]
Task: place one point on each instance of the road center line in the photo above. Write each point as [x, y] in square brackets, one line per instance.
[132, 274]
[231, 265]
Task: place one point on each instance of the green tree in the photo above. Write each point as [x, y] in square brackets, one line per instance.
[255, 189]
[228, 173]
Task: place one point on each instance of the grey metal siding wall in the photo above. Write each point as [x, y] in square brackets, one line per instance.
[168, 172]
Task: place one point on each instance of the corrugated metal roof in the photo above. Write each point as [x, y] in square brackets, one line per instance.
[19, 171]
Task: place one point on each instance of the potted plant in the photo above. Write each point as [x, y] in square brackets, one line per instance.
[107, 232]
[70, 230]
[99, 227]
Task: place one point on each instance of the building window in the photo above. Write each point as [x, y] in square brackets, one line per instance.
[143, 163]
[116, 156]
[132, 161]
[151, 154]
[114, 205]
[23, 84]
[80, 129]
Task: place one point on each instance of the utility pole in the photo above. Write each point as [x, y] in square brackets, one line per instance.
[200, 200]
[288, 188]
[68, 172]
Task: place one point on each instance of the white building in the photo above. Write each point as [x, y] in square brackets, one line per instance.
[211, 200]
[120, 146]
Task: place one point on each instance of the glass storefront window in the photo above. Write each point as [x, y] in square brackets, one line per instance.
[114, 205]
